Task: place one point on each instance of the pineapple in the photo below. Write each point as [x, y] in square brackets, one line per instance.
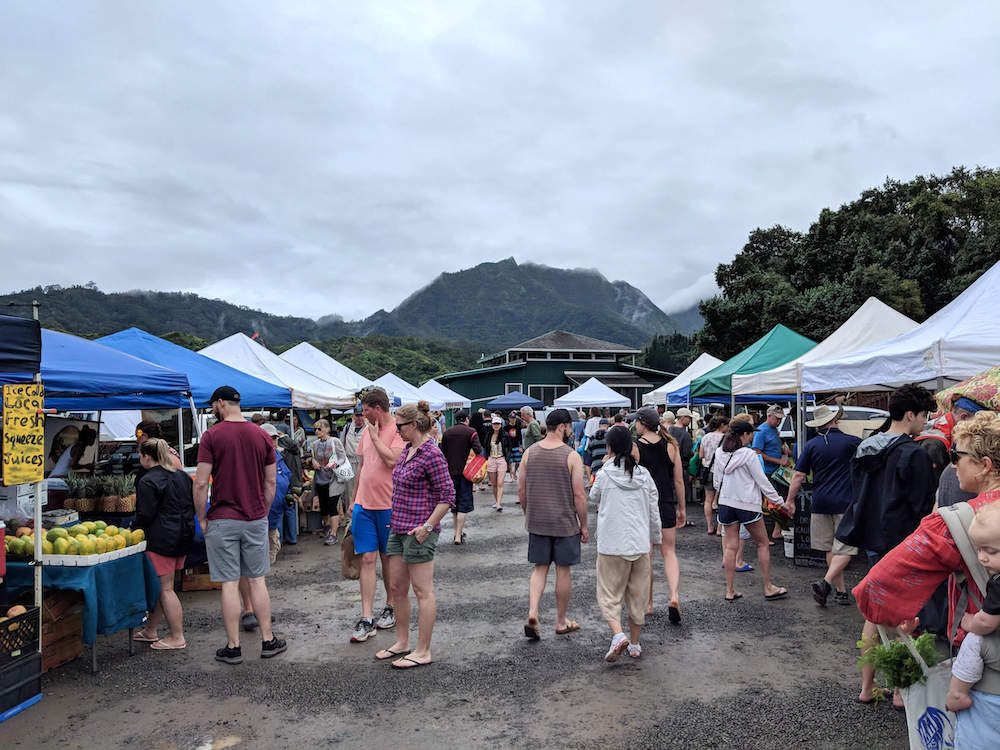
[126, 493]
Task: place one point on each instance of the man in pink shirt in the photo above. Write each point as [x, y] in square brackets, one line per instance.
[378, 449]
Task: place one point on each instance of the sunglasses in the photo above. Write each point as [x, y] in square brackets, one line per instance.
[955, 455]
[402, 424]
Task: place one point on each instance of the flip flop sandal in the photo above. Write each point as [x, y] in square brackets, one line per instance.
[674, 614]
[571, 627]
[413, 663]
[143, 638]
[733, 598]
[162, 646]
[392, 654]
[532, 631]
[781, 594]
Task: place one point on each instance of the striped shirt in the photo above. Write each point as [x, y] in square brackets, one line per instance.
[548, 492]
[418, 486]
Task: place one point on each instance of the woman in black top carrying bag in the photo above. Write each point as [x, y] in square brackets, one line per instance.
[164, 509]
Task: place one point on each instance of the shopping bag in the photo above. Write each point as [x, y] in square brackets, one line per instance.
[344, 472]
[350, 561]
[930, 725]
[475, 468]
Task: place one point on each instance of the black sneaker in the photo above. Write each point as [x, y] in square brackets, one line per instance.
[272, 647]
[363, 630]
[230, 655]
[842, 598]
[821, 590]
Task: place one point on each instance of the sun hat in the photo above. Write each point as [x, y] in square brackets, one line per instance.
[824, 415]
[683, 412]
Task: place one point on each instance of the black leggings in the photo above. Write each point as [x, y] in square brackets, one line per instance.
[328, 506]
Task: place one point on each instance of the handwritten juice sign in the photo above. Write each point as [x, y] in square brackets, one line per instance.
[23, 433]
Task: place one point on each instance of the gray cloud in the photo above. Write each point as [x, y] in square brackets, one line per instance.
[317, 158]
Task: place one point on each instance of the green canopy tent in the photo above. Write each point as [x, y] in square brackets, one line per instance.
[773, 349]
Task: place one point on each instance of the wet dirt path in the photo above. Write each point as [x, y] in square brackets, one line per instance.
[751, 674]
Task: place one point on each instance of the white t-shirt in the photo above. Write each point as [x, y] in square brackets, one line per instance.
[709, 444]
[590, 429]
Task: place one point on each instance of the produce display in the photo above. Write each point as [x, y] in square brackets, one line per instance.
[14, 611]
[115, 494]
[83, 539]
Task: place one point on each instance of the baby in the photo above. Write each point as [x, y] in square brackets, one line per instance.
[967, 670]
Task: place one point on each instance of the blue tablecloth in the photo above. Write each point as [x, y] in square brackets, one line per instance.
[116, 594]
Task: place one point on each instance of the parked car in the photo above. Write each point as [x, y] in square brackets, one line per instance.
[857, 420]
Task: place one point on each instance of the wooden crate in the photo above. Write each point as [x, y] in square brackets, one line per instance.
[57, 602]
[197, 579]
[62, 639]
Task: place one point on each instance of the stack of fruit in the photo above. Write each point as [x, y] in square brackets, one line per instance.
[87, 538]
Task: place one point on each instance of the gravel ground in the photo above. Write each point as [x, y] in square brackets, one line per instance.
[732, 675]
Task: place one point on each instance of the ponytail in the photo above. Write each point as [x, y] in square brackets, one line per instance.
[159, 451]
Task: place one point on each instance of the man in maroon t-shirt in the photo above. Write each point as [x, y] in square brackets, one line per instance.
[239, 458]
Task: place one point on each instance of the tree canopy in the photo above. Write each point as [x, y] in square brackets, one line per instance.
[915, 245]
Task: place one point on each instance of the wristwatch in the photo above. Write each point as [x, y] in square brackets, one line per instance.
[428, 527]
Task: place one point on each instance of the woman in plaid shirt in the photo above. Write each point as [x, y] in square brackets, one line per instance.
[422, 493]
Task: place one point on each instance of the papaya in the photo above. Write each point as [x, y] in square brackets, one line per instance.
[47, 548]
[138, 535]
[23, 531]
[16, 610]
[61, 546]
[111, 530]
[100, 525]
[56, 534]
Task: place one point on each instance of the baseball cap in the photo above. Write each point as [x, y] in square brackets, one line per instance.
[226, 393]
[269, 428]
[358, 409]
[683, 412]
[557, 417]
[776, 410]
[649, 417]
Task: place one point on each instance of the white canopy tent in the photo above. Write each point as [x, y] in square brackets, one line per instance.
[696, 369]
[406, 393]
[452, 400]
[872, 323]
[591, 393]
[958, 341]
[307, 357]
[308, 391]
[119, 425]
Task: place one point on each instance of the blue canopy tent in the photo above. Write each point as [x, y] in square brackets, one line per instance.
[21, 348]
[204, 373]
[81, 375]
[682, 397]
[514, 400]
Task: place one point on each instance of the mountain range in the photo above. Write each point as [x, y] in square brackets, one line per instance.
[487, 307]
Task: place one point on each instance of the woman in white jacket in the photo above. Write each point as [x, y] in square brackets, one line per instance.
[628, 522]
[739, 482]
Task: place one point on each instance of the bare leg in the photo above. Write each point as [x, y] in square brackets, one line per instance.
[536, 585]
[245, 596]
[835, 571]
[231, 611]
[422, 578]
[671, 567]
[496, 482]
[170, 606]
[649, 606]
[386, 580]
[707, 506]
[261, 606]
[369, 561]
[869, 637]
[459, 525]
[634, 631]
[758, 531]
[563, 588]
[730, 543]
[400, 575]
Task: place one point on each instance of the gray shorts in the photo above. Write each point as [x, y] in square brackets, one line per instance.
[561, 550]
[236, 548]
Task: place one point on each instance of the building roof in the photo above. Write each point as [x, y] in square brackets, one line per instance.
[614, 379]
[480, 371]
[564, 341]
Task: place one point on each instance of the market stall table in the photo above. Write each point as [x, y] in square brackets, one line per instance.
[116, 594]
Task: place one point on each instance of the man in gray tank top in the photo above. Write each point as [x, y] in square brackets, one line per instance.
[550, 489]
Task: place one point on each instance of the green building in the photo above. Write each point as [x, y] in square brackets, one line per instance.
[553, 364]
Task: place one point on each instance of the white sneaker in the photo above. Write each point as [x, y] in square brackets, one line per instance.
[634, 650]
[618, 645]
[386, 620]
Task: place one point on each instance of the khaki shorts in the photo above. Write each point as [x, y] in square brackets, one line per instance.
[412, 551]
[822, 527]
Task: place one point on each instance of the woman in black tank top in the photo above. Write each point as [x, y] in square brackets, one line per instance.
[658, 453]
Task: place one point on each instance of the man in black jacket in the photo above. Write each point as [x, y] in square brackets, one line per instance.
[893, 485]
[456, 443]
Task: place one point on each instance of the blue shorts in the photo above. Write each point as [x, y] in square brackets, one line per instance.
[728, 516]
[370, 529]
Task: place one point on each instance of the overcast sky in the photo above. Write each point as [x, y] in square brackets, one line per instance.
[313, 158]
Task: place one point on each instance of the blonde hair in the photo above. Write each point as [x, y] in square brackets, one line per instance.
[419, 414]
[744, 417]
[983, 435]
[159, 451]
[321, 423]
[986, 520]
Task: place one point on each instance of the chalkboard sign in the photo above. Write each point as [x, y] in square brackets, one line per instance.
[805, 555]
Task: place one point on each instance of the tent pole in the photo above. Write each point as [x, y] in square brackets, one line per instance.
[180, 433]
[800, 412]
[732, 405]
[195, 422]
